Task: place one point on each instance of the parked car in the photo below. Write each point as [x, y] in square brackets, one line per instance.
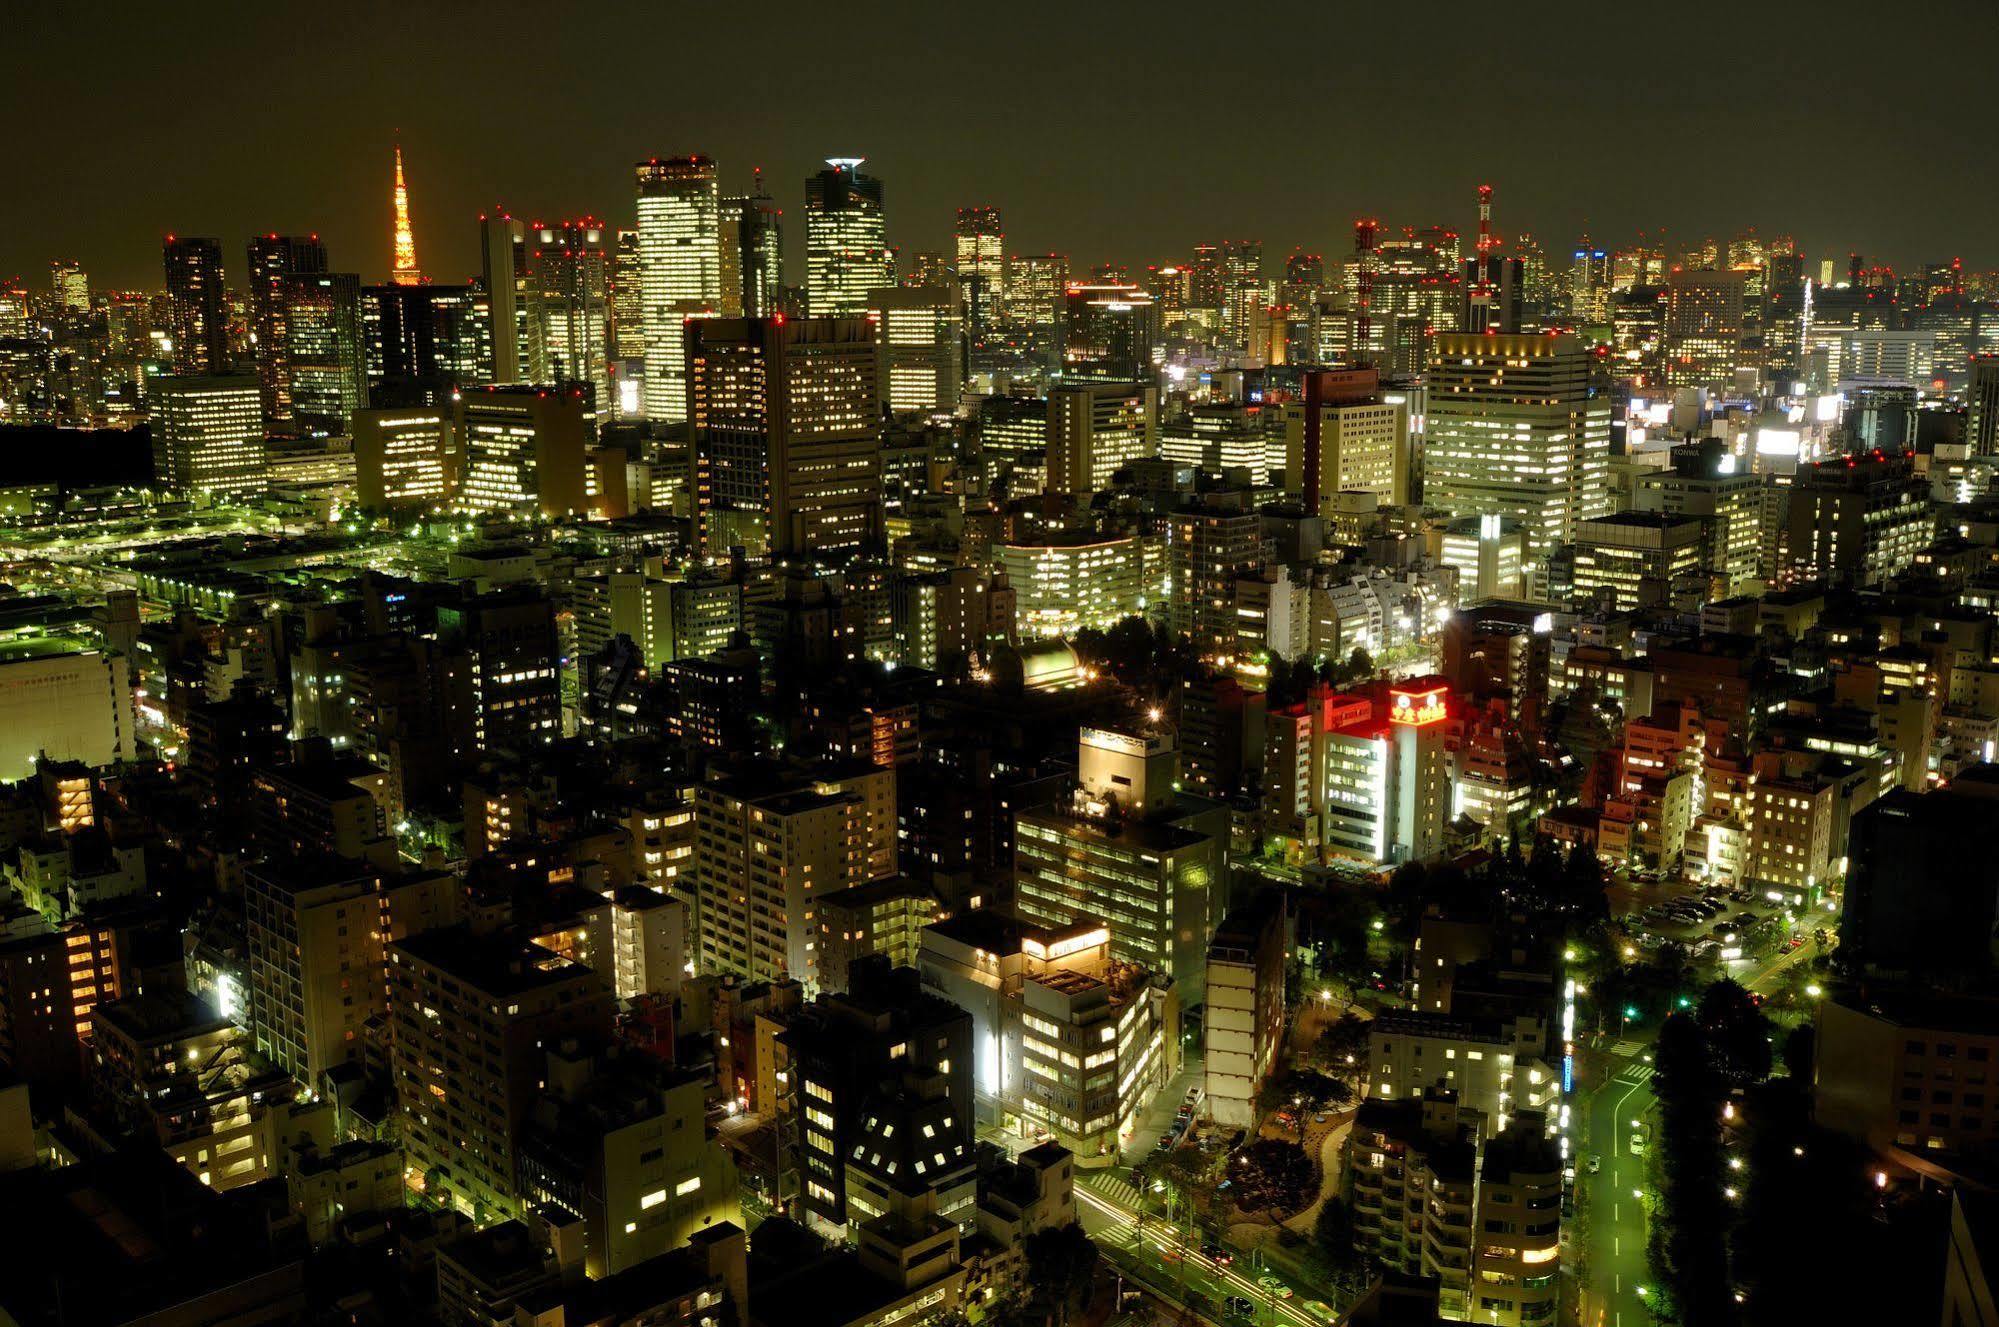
[1240, 1307]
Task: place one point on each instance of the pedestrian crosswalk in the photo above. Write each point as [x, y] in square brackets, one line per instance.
[1637, 1073]
[1114, 1187]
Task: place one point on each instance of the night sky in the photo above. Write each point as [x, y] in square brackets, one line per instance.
[1108, 131]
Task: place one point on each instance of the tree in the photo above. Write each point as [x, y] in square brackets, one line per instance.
[1342, 1046]
[1688, 1237]
[1737, 1033]
[1333, 1243]
[1061, 1265]
[1271, 1174]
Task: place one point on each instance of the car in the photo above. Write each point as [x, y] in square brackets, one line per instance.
[1595, 1164]
[1240, 1307]
[1638, 1144]
[1321, 1310]
[1216, 1254]
[1172, 1255]
[1270, 1285]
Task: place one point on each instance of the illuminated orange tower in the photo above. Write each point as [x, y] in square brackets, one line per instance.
[406, 272]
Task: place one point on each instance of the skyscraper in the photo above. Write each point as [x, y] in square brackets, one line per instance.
[1107, 332]
[1517, 429]
[70, 284]
[846, 239]
[503, 274]
[569, 272]
[274, 260]
[628, 327]
[208, 435]
[1035, 286]
[787, 429]
[680, 270]
[198, 317]
[981, 266]
[752, 253]
[922, 341]
[981, 244]
[1206, 286]
[1242, 291]
[324, 358]
[1704, 327]
[424, 339]
[406, 272]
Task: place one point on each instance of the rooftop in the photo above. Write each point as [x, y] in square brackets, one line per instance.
[491, 964]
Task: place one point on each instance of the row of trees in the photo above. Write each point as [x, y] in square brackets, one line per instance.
[1755, 1203]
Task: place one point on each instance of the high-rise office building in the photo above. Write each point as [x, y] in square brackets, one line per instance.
[981, 245]
[922, 336]
[274, 261]
[1345, 435]
[569, 273]
[1205, 292]
[1363, 775]
[405, 456]
[980, 265]
[523, 447]
[510, 636]
[1096, 429]
[1516, 428]
[208, 435]
[1981, 424]
[1127, 848]
[787, 428]
[846, 239]
[70, 285]
[628, 328]
[423, 340]
[1589, 285]
[324, 356]
[503, 277]
[1705, 327]
[1242, 291]
[197, 305]
[1035, 288]
[1108, 331]
[752, 254]
[680, 270]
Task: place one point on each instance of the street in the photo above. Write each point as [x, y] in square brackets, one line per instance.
[1160, 1257]
[1614, 1259]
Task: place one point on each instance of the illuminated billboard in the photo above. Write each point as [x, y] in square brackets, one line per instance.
[1417, 708]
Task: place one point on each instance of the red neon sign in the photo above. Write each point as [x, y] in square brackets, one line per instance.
[1417, 708]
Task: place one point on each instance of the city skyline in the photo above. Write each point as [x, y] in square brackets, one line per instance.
[1106, 130]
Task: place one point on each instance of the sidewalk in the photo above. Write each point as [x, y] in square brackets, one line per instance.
[1329, 1172]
